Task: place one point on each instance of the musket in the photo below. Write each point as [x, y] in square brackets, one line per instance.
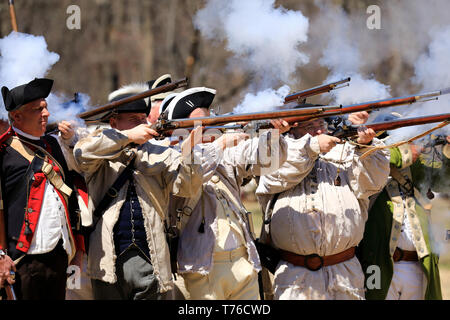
[394, 124]
[253, 120]
[301, 96]
[52, 127]
[112, 105]
[12, 13]
[365, 106]
[164, 126]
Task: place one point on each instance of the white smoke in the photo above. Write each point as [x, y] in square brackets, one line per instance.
[264, 40]
[431, 74]
[24, 57]
[343, 58]
[262, 101]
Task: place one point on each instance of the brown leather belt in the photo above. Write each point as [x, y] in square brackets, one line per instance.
[315, 262]
[404, 255]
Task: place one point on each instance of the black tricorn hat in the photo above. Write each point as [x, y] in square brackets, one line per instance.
[189, 100]
[152, 84]
[23, 94]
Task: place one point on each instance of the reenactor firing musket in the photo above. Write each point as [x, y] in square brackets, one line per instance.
[301, 96]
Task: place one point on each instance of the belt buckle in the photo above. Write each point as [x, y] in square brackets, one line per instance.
[311, 256]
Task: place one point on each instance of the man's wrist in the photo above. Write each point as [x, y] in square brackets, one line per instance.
[3, 253]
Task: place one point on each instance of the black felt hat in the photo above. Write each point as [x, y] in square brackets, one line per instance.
[152, 84]
[23, 94]
[189, 100]
[138, 106]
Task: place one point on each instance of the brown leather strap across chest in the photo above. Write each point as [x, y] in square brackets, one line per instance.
[315, 262]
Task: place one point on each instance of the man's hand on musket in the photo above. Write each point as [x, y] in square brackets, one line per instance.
[365, 135]
[358, 117]
[281, 125]
[140, 134]
[6, 265]
[326, 142]
[66, 129]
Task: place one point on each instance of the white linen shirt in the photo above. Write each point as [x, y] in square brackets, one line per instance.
[51, 225]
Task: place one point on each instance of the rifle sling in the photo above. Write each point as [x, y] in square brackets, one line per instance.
[114, 190]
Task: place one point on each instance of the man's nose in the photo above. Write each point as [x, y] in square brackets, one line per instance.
[44, 104]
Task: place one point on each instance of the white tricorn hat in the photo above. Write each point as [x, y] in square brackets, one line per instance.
[152, 84]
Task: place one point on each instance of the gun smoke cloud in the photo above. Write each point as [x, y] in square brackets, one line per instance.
[24, 57]
[431, 73]
[414, 38]
[343, 58]
[264, 40]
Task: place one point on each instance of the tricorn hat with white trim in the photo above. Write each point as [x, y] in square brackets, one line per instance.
[165, 103]
[152, 84]
[189, 100]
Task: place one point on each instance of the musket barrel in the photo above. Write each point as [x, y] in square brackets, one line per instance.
[366, 106]
[245, 117]
[112, 105]
[314, 91]
[293, 115]
[396, 124]
[408, 122]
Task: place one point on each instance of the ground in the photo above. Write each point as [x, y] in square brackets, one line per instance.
[440, 217]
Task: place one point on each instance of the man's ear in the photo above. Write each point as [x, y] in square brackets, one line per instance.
[17, 116]
[113, 122]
